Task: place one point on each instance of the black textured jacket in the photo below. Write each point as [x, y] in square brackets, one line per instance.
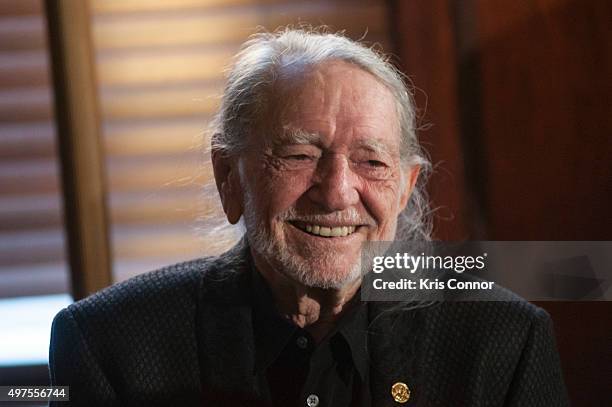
[183, 336]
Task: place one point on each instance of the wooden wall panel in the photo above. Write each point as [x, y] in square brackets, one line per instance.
[545, 78]
[584, 339]
[425, 42]
[546, 69]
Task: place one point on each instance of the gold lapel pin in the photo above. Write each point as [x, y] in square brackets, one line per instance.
[400, 392]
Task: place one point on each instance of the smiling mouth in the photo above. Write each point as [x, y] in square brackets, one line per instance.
[325, 231]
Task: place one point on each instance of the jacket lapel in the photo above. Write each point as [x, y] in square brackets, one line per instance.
[393, 343]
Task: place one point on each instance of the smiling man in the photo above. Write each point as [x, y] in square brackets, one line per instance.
[327, 177]
[314, 148]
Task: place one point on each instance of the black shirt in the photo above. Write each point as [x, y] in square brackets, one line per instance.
[294, 371]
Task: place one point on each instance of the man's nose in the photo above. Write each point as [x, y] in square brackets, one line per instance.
[334, 186]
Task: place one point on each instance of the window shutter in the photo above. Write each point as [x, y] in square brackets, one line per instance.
[32, 255]
[160, 70]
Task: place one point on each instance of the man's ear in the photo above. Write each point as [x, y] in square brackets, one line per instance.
[409, 179]
[227, 178]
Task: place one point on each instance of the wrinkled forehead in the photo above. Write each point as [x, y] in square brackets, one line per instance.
[335, 97]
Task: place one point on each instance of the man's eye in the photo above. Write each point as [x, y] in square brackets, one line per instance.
[300, 157]
[376, 164]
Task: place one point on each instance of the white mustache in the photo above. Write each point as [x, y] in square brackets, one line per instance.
[350, 217]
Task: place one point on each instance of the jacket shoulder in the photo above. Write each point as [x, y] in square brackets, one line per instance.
[174, 285]
[488, 321]
[158, 300]
[160, 304]
[138, 332]
[486, 337]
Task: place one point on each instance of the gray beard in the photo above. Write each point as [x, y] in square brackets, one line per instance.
[279, 256]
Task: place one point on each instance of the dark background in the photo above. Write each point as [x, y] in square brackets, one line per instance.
[519, 101]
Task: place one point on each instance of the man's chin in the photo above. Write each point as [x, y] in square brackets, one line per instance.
[310, 266]
[323, 276]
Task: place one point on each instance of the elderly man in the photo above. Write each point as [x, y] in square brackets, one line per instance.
[314, 147]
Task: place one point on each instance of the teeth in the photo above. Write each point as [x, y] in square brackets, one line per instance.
[338, 231]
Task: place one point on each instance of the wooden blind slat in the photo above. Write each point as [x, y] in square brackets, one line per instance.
[124, 175]
[34, 105]
[16, 8]
[39, 212]
[23, 69]
[145, 6]
[172, 102]
[34, 279]
[228, 28]
[154, 68]
[34, 140]
[126, 32]
[23, 33]
[133, 242]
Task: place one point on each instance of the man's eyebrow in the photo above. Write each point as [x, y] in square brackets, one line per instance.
[375, 146]
[297, 136]
[301, 136]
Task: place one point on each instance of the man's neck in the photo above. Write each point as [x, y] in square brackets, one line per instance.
[315, 309]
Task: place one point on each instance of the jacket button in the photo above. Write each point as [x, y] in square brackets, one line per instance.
[302, 342]
[312, 400]
[400, 392]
